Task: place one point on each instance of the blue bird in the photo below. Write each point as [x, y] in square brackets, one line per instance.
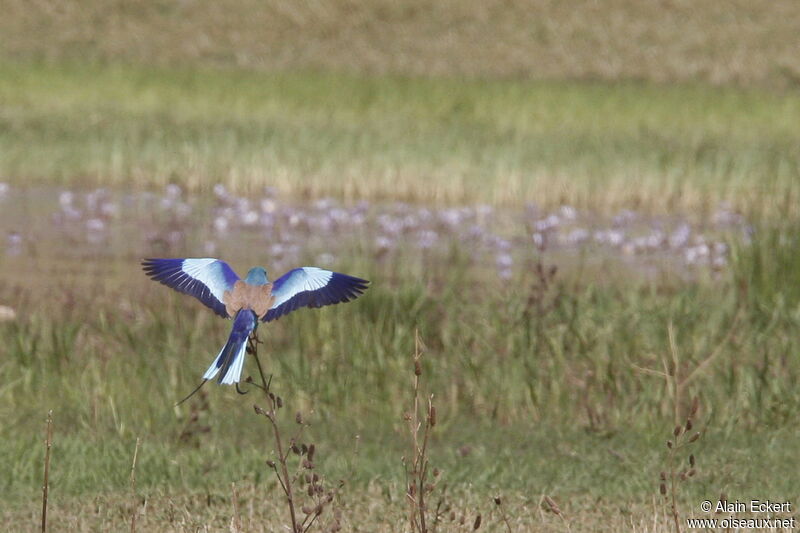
[247, 301]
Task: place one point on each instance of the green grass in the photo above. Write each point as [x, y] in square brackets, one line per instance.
[529, 403]
[597, 145]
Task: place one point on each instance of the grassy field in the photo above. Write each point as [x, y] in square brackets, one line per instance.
[558, 391]
[436, 141]
[564, 387]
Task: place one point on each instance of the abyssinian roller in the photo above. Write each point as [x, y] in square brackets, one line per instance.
[250, 300]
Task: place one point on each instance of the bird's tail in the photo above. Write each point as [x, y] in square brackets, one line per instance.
[230, 360]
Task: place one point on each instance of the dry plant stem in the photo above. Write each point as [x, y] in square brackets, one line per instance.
[416, 501]
[423, 465]
[286, 482]
[499, 502]
[45, 489]
[673, 497]
[417, 486]
[680, 440]
[237, 523]
[133, 486]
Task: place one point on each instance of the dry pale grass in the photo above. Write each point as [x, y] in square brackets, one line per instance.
[739, 41]
[372, 508]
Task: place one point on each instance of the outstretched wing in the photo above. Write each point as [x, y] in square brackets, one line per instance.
[312, 287]
[206, 278]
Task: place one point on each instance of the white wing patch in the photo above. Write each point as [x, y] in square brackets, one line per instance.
[210, 277]
[305, 279]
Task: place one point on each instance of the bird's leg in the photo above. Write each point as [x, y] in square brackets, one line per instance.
[252, 348]
[240, 391]
[252, 342]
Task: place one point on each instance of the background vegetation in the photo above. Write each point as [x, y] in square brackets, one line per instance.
[565, 387]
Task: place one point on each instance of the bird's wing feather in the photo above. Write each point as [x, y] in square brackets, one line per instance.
[312, 287]
[205, 278]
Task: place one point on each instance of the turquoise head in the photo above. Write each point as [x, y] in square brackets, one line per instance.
[257, 276]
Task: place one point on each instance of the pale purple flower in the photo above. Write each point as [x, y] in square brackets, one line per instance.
[325, 259]
[680, 237]
[451, 217]
[174, 237]
[267, 220]
[624, 217]
[221, 224]
[109, 209]
[475, 232]
[548, 223]
[697, 253]
[501, 244]
[242, 205]
[612, 237]
[95, 225]
[173, 191]
[268, 205]
[13, 239]
[71, 213]
[389, 224]
[220, 191]
[250, 218]
[93, 198]
[427, 238]
[66, 198]
[576, 236]
[182, 209]
[383, 243]
[322, 223]
[341, 216]
[568, 212]
[14, 243]
[324, 204]
[504, 261]
[357, 219]
[651, 241]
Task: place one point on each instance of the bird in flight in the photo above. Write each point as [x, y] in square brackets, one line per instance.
[250, 300]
